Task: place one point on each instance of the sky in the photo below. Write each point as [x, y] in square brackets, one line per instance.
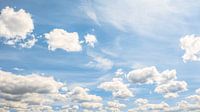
[99, 56]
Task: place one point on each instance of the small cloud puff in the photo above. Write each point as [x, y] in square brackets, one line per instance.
[90, 40]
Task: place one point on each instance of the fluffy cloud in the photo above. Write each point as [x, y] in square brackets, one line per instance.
[15, 25]
[61, 39]
[144, 106]
[80, 94]
[91, 105]
[191, 45]
[115, 106]
[117, 87]
[144, 75]
[90, 40]
[29, 92]
[165, 81]
[171, 88]
[141, 101]
[198, 91]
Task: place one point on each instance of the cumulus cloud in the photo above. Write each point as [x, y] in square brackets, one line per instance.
[115, 106]
[171, 88]
[191, 45]
[141, 101]
[80, 94]
[29, 92]
[144, 75]
[90, 40]
[165, 81]
[61, 39]
[149, 107]
[15, 25]
[117, 87]
[91, 105]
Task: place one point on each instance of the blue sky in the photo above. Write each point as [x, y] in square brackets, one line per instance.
[131, 35]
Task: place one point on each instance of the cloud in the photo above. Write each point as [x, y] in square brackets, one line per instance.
[115, 106]
[144, 75]
[80, 94]
[100, 63]
[90, 40]
[165, 81]
[198, 91]
[119, 72]
[191, 45]
[91, 105]
[149, 107]
[29, 92]
[15, 25]
[171, 88]
[143, 16]
[29, 43]
[117, 87]
[141, 101]
[61, 39]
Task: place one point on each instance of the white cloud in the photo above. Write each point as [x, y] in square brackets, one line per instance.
[91, 105]
[61, 39]
[171, 89]
[149, 107]
[29, 92]
[144, 75]
[166, 76]
[117, 87]
[100, 63]
[198, 91]
[165, 81]
[15, 25]
[80, 94]
[191, 45]
[90, 40]
[141, 101]
[115, 106]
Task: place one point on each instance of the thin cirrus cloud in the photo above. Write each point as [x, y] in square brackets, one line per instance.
[100, 62]
[146, 17]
